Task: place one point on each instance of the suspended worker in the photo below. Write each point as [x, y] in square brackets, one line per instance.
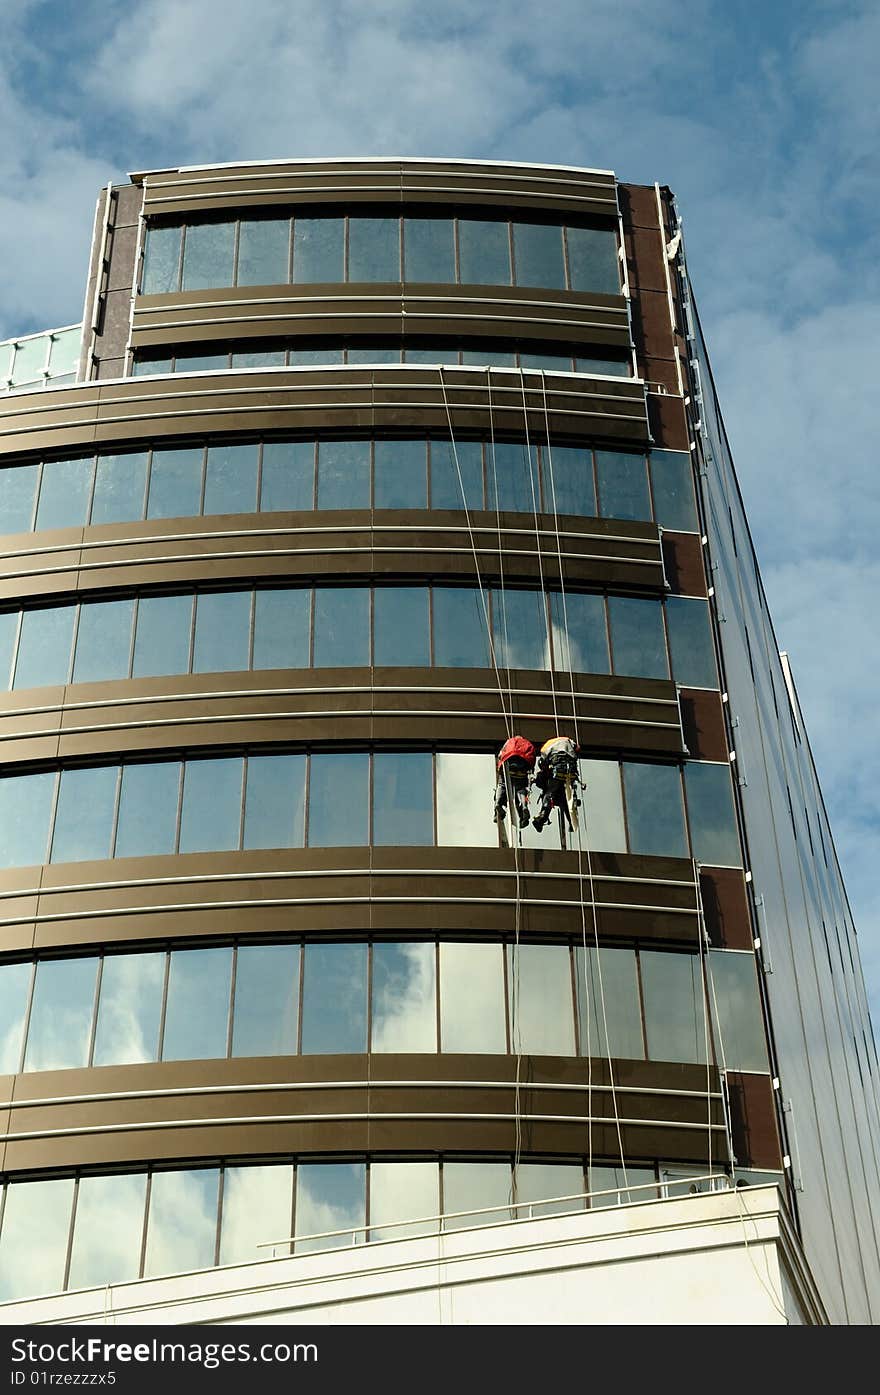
[557, 779]
[516, 761]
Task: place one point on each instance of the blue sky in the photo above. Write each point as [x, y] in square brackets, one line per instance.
[762, 118]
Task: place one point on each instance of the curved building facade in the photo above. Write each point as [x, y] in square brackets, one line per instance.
[369, 465]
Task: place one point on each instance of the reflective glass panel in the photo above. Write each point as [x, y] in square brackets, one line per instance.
[550, 363]
[714, 835]
[161, 261]
[373, 249]
[257, 1207]
[61, 1014]
[601, 813]
[580, 639]
[263, 249]
[673, 483]
[44, 647]
[339, 799]
[403, 1192]
[486, 356]
[537, 255]
[623, 485]
[148, 799]
[403, 798]
[33, 1241]
[638, 644]
[334, 1010]
[207, 255]
[103, 641]
[520, 629]
[264, 1020]
[654, 811]
[146, 366]
[18, 486]
[401, 632]
[404, 1014]
[690, 640]
[129, 1009]
[64, 493]
[25, 809]
[260, 358]
[200, 363]
[197, 1009]
[84, 815]
[162, 635]
[231, 479]
[514, 470]
[615, 1183]
[460, 639]
[318, 249]
[275, 802]
[342, 626]
[344, 475]
[430, 356]
[288, 480]
[428, 250]
[400, 475]
[175, 483]
[675, 1024]
[330, 1196]
[464, 782]
[376, 354]
[472, 998]
[540, 1002]
[484, 252]
[29, 360]
[281, 628]
[448, 480]
[608, 367]
[535, 1182]
[211, 812]
[471, 1186]
[182, 1223]
[740, 1041]
[314, 358]
[108, 1230]
[120, 487]
[607, 992]
[568, 470]
[592, 260]
[14, 987]
[222, 633]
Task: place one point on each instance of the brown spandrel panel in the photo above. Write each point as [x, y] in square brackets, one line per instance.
[660, 375]
[652, 331]
[638, 205]
[753, 1124]
[702, 717]
[123, 247]
[667, 422]
[685, 564]
[725, 908]
[645, 259]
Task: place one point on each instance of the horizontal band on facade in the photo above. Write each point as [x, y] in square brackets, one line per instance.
[247, 1120]
[262, 1087]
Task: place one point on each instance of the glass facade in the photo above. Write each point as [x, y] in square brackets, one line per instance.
[356, 248]
[350, 626]
[355, 798]
[249, 477]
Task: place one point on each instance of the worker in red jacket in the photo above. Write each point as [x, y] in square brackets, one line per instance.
[516, 761]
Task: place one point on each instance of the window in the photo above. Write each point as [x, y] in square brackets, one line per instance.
[44, 647]
[462, 819]
[18, 487]
[330, 1197]
[456, 470]
[673, 485]
[484, 251]
[593, 263]
[25, 809]
[274, 815]
[519, 626]
[460, 639]
[266, 1001]
[740, 1041]
[162, 637]
[373, 249]
[207, 255]
[690, 642]
[161, 260]
[400, 475]
[342, 626]
[197, 1008]
[472, 998]
[14, 989]
[33, 1241]
[334, 1013]
[281, 628]
[338, 799]
[403, 798]
[211, 811]
[404, 1192]
[231, 479]
[607, 992]
[675, 1023]
[568, 481]
[129, 1009]
[401, 631]
[654, 810]
[120, 488]
[540, 999]
[318, 249]
[148, 800]
[84, 815]
[537, 254]
[404, 1009]
[222, 632]
[637, 639]
[263, 251]
[711, 815]
[103, 641]
[175, 483]
[108, 1230]
[61, 1014]
[344, 475]
[580, 639]
[428, 250]
[257, 1207]
[182, 1222]
[288, 480]
[623, 485]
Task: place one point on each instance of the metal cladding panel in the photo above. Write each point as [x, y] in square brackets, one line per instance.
[584, 193]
